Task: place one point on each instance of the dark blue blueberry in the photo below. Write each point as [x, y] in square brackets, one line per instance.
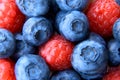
[116, 29]
[118, 2]
[31, 67]
[66, 75]
[96, 37]
[73, 25]
[72, 4]
[7, 43]
[37, 30]
[22, 47]
[89, 59]
[114, 52]
[33, 7]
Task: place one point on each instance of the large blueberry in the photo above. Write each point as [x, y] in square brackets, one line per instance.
[33, 7]
[73, 25]
[116, 29]
[72, 4]
[97, 37]
[7, 43]
[118, 2]
[31, 67]
[114, 52]
[37, 30]
[22, 47]
[89, 59]
[66, 75]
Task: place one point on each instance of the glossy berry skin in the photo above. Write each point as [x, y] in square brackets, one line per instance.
[7, 43]
[114, 52]
[68, 74]
[73, 25]
[7, 70]
[96, 37]
[37, 30]
[89, 59]
[113, 74]
[57, 52]
[33, 7]
[10, 16]
[116, 29]
[22, 47]
[68, 5]
[102, 14]
[32, 67]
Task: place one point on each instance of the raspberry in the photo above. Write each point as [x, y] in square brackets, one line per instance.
[7, 70]
[57, 53]
[102, 14]
[10, 16]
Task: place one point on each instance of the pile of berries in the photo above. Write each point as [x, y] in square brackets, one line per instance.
[59, 39]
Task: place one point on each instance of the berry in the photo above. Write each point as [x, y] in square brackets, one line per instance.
[66, 75]
[89, 59]
[31, 67]
[57, 52]
[22, 47]
[7, 43]
[116, 29]
[37, 30]
[7, 70]
[33, 7]
[10, 16]
[102, 14]
[73, 25]
[114, 52]
[72, 4]
[113, 74]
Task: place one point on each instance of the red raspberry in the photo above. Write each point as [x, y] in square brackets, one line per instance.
[102, 14]
[7, 70]
[113, 74]
[10, 16]
[57, 53]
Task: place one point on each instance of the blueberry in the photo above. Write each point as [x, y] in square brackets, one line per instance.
[22, 47]
[7, 43]
[66, 75]
[73, 25]
[114, 52]
[37, 30]
[116, 29]
[89, 59]
[118, 2]
[33, 7]
[96, 37]
[31, 67]
[72, 4]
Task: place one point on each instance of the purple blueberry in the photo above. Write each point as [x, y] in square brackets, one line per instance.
[7, 43]
[66, 75]
[31, 67]
[89, 59]
[37, 30]
[114, 52]
[73, 25]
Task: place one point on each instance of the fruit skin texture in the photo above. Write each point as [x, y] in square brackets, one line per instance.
[68, 74]
[73, 25]
[31, 67]
[89, 59]
[102, 14]
[114, 52]
[7, 43]
[10, 16]
[57, 52]
[7, 70]
[37, 30]
[113, 74]
[33, 7]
